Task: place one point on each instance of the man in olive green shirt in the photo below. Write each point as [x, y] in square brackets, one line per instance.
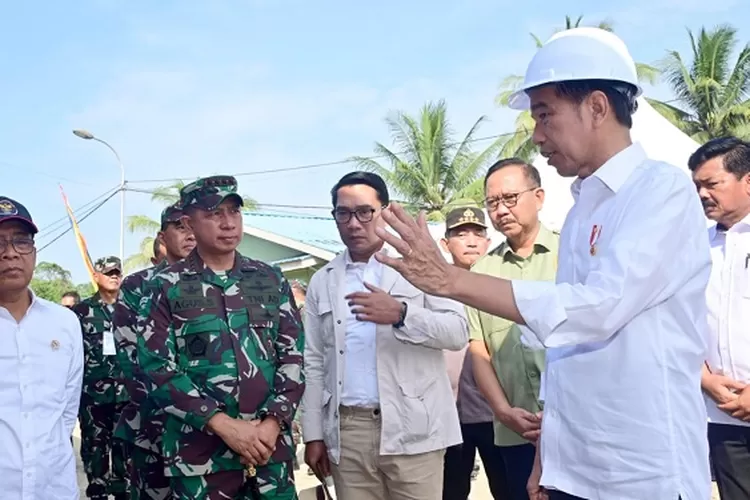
[506, 371]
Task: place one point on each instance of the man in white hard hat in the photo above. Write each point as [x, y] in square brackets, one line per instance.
[625, 323]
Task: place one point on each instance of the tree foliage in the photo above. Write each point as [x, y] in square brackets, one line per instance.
[713, 93]
[51, 281]
[429, 169]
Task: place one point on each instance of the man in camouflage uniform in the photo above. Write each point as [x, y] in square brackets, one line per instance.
[103, 396]
[139, 425]
[221, 343]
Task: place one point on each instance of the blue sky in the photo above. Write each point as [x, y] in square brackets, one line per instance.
[189, 88]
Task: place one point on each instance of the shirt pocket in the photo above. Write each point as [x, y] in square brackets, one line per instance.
[324, 317]
[200, 344]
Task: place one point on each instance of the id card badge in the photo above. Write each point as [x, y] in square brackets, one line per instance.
[109, 344]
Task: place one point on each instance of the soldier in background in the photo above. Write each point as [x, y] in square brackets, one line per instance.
[69, 299]
[221, 344]
[139, 425]
[103, 396]
[299, 290]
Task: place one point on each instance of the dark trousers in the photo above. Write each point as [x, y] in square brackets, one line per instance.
[507, 467]
[729, 446]
[459, 462]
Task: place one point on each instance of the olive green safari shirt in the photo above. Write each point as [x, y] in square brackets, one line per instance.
[518, 368]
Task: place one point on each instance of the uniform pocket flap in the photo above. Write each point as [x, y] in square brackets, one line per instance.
[418, 388]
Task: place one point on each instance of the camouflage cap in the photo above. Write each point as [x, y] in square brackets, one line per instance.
[172, 213]
[465, 216]
[12, 210]
[107, 264]
[209, 192]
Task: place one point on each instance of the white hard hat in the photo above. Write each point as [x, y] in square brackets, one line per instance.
[578, 54]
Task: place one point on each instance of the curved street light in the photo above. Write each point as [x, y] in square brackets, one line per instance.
[85, 134]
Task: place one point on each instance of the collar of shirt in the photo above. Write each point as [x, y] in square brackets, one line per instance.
[371, 262]
[544, 242]
[718, 230]
[616, 170]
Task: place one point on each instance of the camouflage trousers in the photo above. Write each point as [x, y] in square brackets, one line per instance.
[98, 448]
[147, 479]
[272, 482]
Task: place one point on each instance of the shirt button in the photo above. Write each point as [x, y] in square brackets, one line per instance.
[339, 322]
[204, 408]
[341, 351]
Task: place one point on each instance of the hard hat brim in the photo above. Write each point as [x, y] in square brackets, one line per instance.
[519, 100]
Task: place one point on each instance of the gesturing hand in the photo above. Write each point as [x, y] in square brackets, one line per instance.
[375, 306]
[422, 263]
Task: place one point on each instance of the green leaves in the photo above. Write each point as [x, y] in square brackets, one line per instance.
[427, 168]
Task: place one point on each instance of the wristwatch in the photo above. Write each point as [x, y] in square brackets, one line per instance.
[402, 318]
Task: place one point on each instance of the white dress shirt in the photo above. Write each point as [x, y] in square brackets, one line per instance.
[41, 369]
[625, 331]
[728, 298]
[360, 384]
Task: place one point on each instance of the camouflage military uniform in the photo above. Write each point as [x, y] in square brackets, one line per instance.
[227, 342]
[146, 468]
[140, 424]
[103, 398]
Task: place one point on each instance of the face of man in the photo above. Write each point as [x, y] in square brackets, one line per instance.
[563, 129]
[109, 281]
[17, 256]
[513, 203]
[725, 198]
[360, 205]
[217, 231]
[68, 301]
[466, 244]
[178, 240]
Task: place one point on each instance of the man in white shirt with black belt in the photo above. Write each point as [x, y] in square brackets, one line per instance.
[41, 368]
[721, 171]
[624, 326]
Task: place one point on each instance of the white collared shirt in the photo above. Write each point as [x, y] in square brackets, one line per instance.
[625, 331]
[360, 384]
[728, 298]
[41, 369]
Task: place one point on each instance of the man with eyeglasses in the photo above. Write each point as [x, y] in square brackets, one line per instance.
[41, 362]
[507, 373]
[378, 411]
[104, 395]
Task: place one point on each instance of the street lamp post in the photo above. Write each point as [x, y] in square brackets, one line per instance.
[83, 134]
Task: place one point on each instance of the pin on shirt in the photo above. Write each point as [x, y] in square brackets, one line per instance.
[596, 231]
[55, 345]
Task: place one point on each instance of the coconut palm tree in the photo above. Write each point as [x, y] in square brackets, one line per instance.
[713, 95]
[165, 196]
[519, 143]
[428, 169]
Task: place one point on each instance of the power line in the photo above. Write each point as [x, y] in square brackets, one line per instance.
[320, 165]
[81, 219]
[345, 161]
[55, 225]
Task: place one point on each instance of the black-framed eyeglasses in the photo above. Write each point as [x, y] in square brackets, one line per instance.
[510, 200]
[22, 245]
[363, 215]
